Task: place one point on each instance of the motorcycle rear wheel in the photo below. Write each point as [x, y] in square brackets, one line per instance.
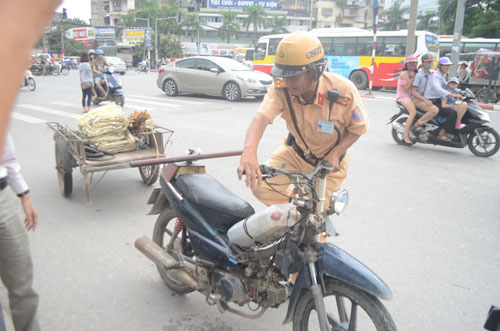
[161, 236]
[397, 136]
[374, 316]
[31, 84]
[491, 141]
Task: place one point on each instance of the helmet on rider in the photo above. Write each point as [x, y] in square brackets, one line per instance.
[99, 52]
[427, 57]
[444, 61]
[411, 58]
[298, 53]
[454, 80]
[91, 51]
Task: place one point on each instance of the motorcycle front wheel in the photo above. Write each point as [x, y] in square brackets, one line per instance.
[31, 84]
[488, 145]
[162, 233]
[348, 308]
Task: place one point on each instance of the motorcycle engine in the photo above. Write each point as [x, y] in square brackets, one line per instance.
[231, 289]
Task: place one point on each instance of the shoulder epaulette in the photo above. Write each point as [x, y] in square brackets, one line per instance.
[279, 83]
[344, 101]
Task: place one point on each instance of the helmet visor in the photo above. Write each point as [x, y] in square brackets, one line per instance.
[286, 71]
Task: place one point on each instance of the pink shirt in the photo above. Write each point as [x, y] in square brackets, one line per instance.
[400, 92]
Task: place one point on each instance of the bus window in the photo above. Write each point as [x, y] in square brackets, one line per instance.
[474, 47]
[327, 45]
[344, 46]
[365, 46]
[273, 46]
[249, 55]
[380, 47]
[261, 51]
[394, 46]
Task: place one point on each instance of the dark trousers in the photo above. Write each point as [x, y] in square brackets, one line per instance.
[87, 97]
[450, 114]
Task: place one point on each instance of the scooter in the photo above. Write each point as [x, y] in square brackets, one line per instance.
[143, 67]
[209, 240]
[481, 139]
[28, 80]
[113, 87]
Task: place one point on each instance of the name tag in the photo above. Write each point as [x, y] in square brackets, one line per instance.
[325, 127]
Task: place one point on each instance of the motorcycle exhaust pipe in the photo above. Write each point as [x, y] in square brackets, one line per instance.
[158, 255]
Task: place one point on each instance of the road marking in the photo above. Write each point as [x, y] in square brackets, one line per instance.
[67, 104]
[156, 103]
[50, 111]
[138, 107]
[127, 105]
[170, 100]
[27, 118]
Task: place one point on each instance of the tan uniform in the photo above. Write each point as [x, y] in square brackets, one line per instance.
[348, 113]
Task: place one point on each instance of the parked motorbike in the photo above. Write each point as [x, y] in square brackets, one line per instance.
[28, 80]
[143, 67]
[113, 87]
[481, 139]
[207, 239]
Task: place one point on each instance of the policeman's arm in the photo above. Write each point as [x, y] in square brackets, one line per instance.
[347, 141]
[249, 162]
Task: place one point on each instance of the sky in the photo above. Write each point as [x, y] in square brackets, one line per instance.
[76, 9]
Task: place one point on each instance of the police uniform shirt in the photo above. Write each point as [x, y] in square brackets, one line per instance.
[348, 113]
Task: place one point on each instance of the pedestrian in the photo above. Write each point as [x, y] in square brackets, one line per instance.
[438, 89]
[16, 266]
[404, 94]
[86, 81]
[302, 99]
[463, 73]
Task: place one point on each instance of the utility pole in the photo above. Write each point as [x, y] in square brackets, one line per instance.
[198, 25]
[457, 36]
[311, 17]
[412, 26]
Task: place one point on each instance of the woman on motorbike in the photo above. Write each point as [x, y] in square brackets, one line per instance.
[403, 92]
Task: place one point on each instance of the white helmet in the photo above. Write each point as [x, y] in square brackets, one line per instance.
[91, 51]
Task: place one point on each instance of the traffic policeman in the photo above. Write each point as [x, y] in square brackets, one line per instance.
[313, 103]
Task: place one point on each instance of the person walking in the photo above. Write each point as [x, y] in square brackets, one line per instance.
[16, 266]
[86, 82]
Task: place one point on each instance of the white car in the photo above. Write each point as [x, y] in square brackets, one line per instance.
[213, 75]
[117, 64]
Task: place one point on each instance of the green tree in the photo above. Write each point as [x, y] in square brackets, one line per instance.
[395, 15]
[189, 24]
[256, 18]
[482, 18]
[229, 26]
[427, 21]
[55, 39]
[170, 46]
[279, 24]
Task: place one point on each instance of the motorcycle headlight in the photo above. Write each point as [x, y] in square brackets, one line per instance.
[111, 69]
[247, 79]
[338, 201]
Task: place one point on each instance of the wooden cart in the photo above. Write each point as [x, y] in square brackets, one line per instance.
[70, 151]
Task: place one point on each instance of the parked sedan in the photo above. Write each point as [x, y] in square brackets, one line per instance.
[117, 64]
[213, 75]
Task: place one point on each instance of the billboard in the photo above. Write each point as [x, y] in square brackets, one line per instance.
[103, 34]
[80, 33]
[133, 36]
[241, 4]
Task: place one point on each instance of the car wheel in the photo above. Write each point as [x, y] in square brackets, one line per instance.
[359, 79]
[170, 88]
[122, 73]
[232, 91]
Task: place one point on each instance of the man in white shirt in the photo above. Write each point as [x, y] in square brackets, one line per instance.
[16, 266]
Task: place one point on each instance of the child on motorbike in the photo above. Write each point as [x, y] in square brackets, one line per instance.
[403, 92]
[451, 102]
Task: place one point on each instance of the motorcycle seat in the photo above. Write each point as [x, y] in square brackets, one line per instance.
[219, 206]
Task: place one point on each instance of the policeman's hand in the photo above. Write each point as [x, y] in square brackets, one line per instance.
[249, 166]
[31, 220]
[334, 159]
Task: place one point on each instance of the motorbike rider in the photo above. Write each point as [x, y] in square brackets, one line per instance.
[436, 90]
[302, 84]
[451, 102]
[419, 85]
[98, 66]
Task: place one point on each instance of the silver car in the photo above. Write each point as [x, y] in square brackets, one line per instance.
[117, 63]
[214, 76]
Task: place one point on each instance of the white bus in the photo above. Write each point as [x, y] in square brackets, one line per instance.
[349, 53]
[468, 45]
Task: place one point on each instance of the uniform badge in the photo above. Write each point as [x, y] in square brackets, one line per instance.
[321, 99]
[344, 101]
[356, 114]
[279, 83]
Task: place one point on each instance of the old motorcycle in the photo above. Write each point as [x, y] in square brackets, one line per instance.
[481, 139]
[207, 239]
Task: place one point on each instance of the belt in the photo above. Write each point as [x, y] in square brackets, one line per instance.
[290, 141]
[3, 183]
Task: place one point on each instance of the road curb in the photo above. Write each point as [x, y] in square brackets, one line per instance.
[485, 106]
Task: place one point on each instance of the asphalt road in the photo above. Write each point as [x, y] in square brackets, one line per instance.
[424, 218]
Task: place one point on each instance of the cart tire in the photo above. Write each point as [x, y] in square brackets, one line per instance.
[149, 174]
[64, 166]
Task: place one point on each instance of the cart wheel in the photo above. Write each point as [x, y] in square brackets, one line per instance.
[149, 174]
[64, 166]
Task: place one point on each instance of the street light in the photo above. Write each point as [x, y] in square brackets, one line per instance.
[149, 51]
[156, 36]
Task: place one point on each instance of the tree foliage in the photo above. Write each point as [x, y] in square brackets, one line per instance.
[229, 26]
[256, 18]
[395, 15]
[279, 24]
[55, 39]
[482, 18]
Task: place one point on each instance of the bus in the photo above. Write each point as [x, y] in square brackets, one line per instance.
[124, 52]
[349, 53]
[468, 45]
